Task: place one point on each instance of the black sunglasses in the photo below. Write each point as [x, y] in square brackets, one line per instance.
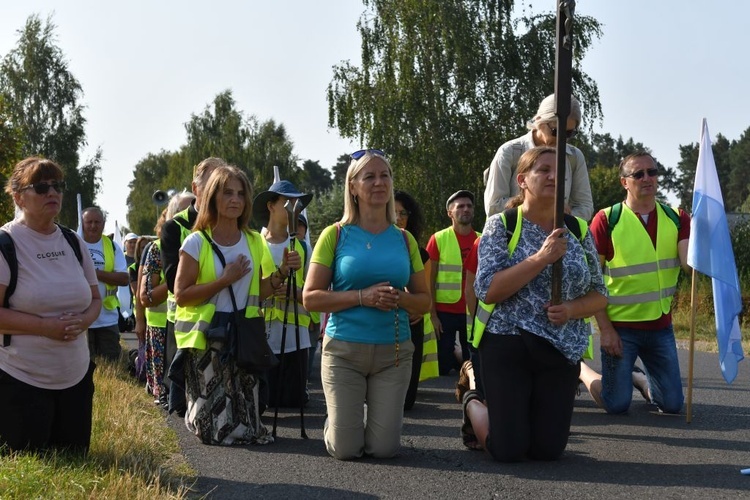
[568, 133]
[652, 172]
[359, 154]
[44, 187]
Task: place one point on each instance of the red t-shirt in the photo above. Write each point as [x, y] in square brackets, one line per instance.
[465, 242]
[603, 242]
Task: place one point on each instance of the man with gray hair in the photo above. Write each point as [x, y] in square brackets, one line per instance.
[501, 176]
[111, 271]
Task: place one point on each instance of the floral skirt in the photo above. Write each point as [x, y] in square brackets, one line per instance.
[222, 400]
[155, 348]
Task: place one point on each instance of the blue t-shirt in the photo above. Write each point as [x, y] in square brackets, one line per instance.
[359, 260]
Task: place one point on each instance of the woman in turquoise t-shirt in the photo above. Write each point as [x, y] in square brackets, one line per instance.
[359, 271]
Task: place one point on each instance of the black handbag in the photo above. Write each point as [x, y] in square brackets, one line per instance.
[248, 344]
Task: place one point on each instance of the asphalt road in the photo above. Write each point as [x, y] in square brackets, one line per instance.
[639, 455]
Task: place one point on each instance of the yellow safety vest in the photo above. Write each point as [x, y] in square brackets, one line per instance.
[429, 367]
[110, 301]
[485, 310]
[156, 316]
[276, 310]
[450, 267]
[641, 279]
[184, 232]
[192, 321]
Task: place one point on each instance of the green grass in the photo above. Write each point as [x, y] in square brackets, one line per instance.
[134, 454]
[705, 327]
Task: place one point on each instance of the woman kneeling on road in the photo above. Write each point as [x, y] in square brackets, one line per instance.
[531, 350]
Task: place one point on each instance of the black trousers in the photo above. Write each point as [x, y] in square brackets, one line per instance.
[417, 338]
[530, 389]
[38, 419]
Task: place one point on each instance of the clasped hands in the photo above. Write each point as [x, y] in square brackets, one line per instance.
[381, 296]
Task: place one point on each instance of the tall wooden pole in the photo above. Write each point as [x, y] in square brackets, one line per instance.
[563, 91]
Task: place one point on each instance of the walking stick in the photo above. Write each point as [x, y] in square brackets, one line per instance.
[563, 90]
[291, 295]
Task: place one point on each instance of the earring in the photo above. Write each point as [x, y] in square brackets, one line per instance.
[355, 200]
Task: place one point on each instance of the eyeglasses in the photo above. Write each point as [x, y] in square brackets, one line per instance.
[568, 133]
[43, 187]
[359, 154]
[403, 213]
[652, 172]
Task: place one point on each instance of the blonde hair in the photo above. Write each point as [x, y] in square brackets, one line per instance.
[174, 203]
[220, 177]
[525, 164]
[351, 207]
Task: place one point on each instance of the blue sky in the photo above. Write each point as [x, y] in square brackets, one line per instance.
[145, 66]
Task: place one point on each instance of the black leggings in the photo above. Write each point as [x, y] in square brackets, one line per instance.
[530, 389]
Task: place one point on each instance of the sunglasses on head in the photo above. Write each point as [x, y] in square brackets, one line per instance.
[44, 187]
[568, 133]
[359, 154]
[652, 172]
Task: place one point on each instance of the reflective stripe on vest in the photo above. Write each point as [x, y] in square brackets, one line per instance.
[192, 321]
[449, 277]
[184, 232]
[484, 311]
[429, 367]
[641, 279]
[277, 306]
[110, 300]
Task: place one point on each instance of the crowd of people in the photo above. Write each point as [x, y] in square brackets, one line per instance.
[388, 312]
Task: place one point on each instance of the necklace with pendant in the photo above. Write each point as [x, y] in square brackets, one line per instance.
[368, 245]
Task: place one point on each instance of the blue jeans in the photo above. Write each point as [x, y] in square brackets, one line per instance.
[658, 351]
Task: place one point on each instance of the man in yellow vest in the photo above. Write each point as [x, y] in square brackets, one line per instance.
[448, 249]
[111, 271]
[642, 245]
[173, 233]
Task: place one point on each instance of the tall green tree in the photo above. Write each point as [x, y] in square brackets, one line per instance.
[10, 154]
[339, 170]
[314, 178]
[443, 84]
[688, 163]
[148, 176]
[44, 103]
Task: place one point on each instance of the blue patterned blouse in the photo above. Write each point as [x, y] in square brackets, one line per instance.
[525, 309]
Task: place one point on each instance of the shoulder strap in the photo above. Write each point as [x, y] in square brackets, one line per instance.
[512, 218]
[614, 217]
[72, 239]
[616, 211]
[8, 249]
[671, 213]
[576, 226]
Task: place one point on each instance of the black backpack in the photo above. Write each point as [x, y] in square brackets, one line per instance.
[8, 249]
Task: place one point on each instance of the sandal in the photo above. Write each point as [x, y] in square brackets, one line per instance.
[467, 431]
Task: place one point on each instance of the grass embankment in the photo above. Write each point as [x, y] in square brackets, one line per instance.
[133, 455]
[705, 327]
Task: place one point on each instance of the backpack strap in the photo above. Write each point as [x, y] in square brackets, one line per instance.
[72, 239]
[672, 214]
[614, 217]
[616, 211]
[8, 249]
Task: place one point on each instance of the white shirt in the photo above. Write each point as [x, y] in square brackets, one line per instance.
[106, 317]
